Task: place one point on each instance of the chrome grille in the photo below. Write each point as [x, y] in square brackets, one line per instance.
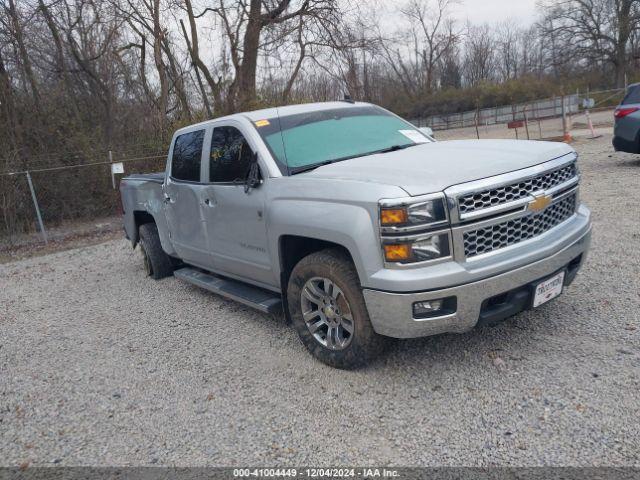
[516, 191]
[485, 240]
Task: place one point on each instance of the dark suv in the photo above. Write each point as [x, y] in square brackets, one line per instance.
[626, 132]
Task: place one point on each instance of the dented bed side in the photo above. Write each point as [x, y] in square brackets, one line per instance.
[141, 196]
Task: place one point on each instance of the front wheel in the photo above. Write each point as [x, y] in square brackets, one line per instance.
[328, 311]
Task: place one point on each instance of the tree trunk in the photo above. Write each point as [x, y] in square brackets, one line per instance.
[194, 52]
[143, 68]
[622, 41]
[294, 75]
[7, 104]
[178, 80]
[162, 72]
[246, 77]
[24, 55]
[99, 88]
[62, 72]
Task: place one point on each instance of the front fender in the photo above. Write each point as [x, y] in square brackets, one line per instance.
[349, 225]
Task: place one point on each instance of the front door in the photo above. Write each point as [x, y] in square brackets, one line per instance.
[234, 218]
[183, 190]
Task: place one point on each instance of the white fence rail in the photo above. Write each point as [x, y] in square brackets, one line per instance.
[537, 110]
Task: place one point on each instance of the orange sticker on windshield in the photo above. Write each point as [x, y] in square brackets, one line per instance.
[263, 123]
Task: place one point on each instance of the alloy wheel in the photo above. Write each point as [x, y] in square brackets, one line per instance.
[327, 314]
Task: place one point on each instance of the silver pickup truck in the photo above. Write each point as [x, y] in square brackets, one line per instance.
[358, 226]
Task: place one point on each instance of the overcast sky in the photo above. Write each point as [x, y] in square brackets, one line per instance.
[477, 12]
[481, 11]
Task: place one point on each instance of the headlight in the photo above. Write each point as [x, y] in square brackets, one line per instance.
[413, 229]
[427, 213]
[422, 248]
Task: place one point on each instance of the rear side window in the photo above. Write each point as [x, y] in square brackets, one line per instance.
[633, 96]
[187, 155]
[230, 157]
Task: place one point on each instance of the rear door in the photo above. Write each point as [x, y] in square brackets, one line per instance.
[183, 191]
[234, 217]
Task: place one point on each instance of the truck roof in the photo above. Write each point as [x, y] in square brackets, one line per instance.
[267, 113]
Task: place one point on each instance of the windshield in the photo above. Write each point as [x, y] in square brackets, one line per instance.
[300, 142]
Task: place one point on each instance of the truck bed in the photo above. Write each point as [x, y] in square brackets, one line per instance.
[142, 194]
[147, 177]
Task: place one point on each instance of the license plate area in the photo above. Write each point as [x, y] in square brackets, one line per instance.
[548, 289]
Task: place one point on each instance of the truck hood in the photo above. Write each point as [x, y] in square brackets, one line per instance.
[433, 167]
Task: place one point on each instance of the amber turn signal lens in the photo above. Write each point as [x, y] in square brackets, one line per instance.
[396, 216]
[397, 253]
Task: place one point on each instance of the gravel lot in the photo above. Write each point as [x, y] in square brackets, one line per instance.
[100, 366]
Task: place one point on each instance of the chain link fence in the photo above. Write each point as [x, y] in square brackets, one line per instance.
[550, 129]
[547, 129]
[539, 110]
[36, 202]
[548, 119]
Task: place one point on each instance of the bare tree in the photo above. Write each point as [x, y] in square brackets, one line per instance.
[479, 58]
[193, 46]
[508, 40]
[532, 53]
[17, 31]
[595, 29]
[146, 20]
[450, 68]
[7, 105]
[433, 32]
[92, 34]
[245, 32]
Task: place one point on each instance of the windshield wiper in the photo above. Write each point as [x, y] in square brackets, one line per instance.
[395, 148]
[308, 168]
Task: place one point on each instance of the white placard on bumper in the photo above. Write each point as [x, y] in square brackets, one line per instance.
[548, 290]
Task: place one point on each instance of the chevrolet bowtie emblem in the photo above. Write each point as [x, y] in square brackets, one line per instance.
[540, 203]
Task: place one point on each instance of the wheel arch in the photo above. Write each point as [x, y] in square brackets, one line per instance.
[293, 248]
[140, 217]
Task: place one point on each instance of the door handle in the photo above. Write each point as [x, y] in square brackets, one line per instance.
[209, 203]
[168, 199]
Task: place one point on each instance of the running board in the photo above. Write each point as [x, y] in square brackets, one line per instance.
[263, 300]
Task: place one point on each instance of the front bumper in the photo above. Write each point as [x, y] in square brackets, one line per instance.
[391, 314]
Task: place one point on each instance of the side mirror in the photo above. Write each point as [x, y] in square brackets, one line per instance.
[253, 176]
[428, 131]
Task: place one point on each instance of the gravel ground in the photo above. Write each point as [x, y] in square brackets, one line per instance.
[100, 366]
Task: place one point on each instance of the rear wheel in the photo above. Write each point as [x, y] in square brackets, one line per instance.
[328, 311]
[157, 264]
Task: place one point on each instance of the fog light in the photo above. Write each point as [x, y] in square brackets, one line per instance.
[435, 308]
[421, 309]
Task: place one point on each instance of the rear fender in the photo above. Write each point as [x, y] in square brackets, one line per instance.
[142, 202]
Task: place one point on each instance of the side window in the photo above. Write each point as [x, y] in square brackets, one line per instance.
[230, 157]
[633, 96]
[187, 155]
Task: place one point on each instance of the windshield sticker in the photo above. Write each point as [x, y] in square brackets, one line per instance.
[263, 123]
[414, 136]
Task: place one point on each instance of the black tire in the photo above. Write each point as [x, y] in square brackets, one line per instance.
[157, 263]
[365, 344]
